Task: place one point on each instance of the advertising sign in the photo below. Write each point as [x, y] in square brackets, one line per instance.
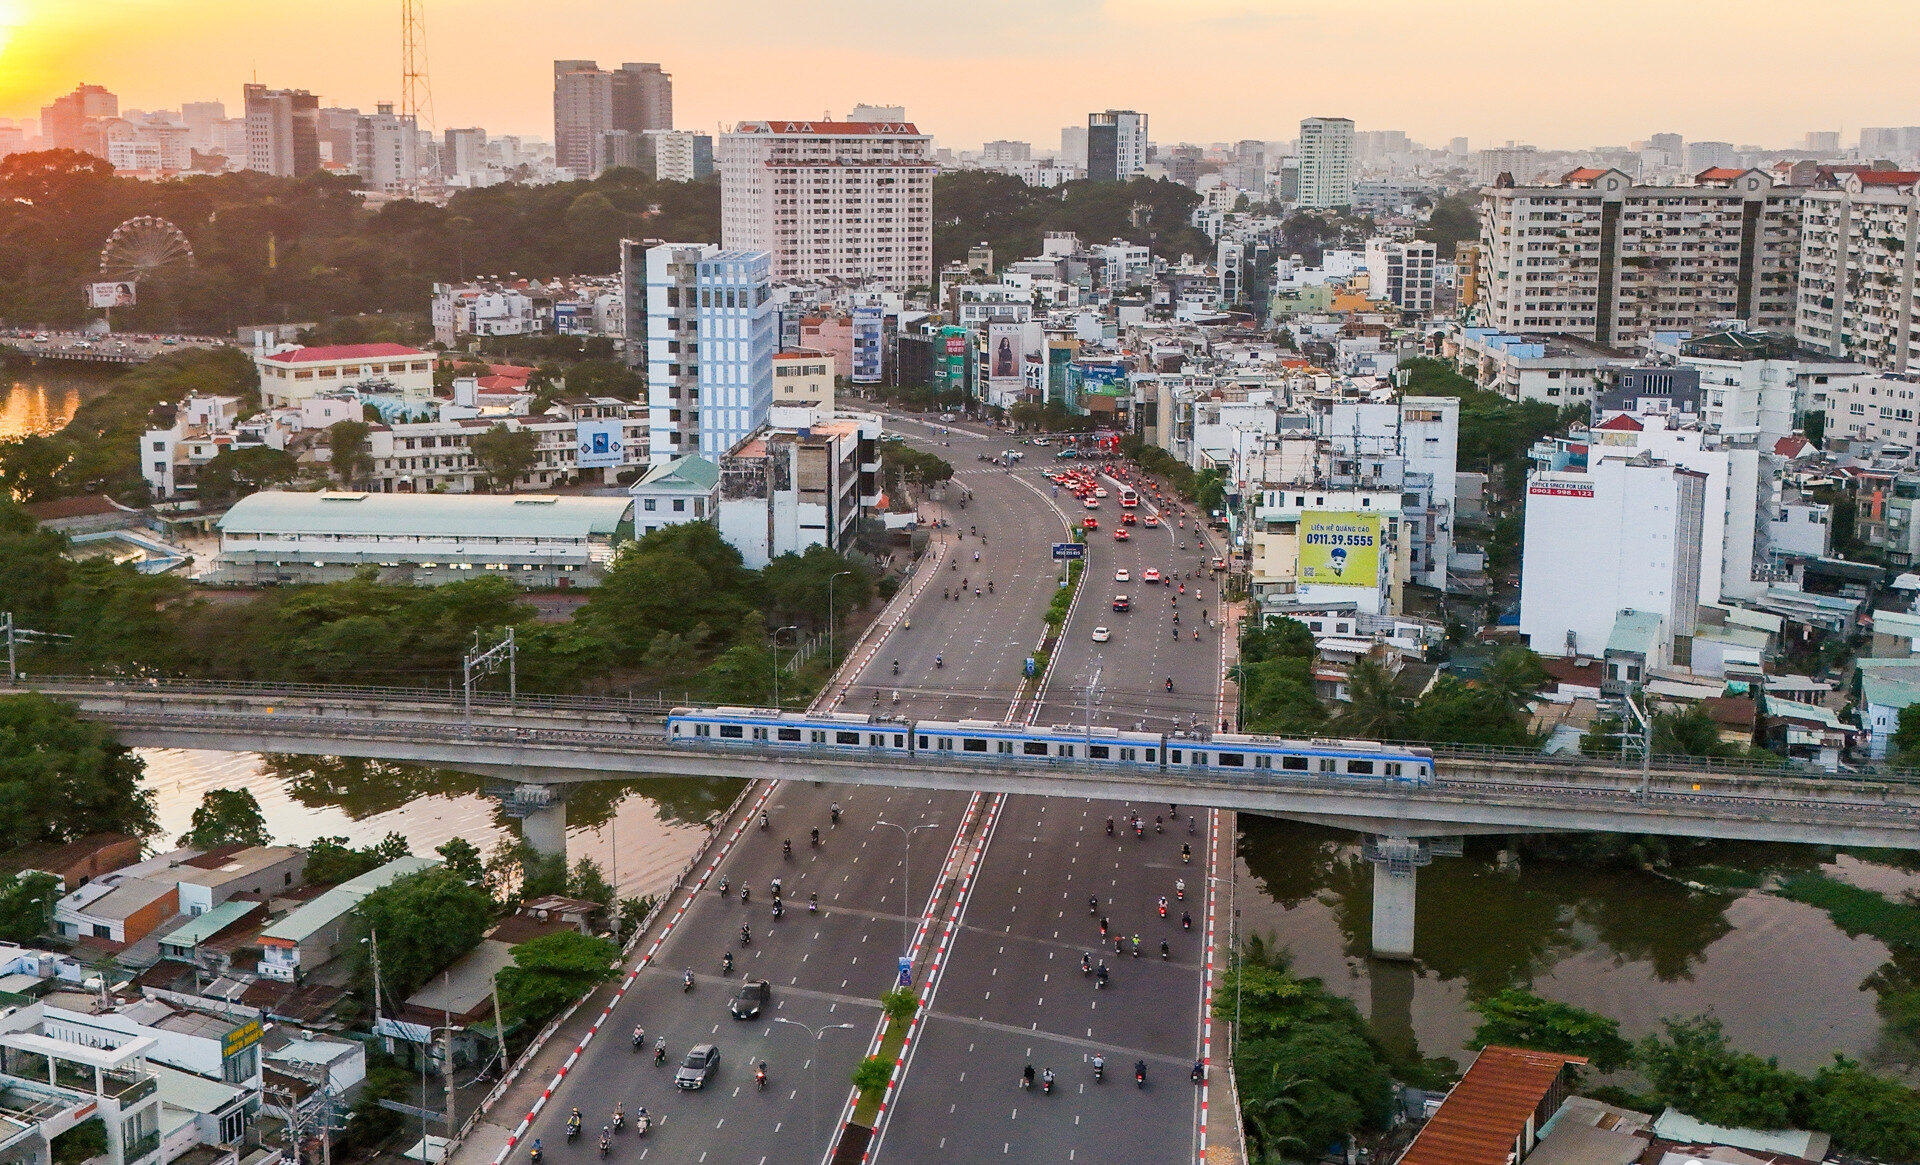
[1561, 490]
[1339, 548]
[1004, 352]
[110, 294]
[869, 340]
[241, 1038]
[602, 443]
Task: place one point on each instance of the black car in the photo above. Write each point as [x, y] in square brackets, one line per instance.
[700, 1064]
[753, 995]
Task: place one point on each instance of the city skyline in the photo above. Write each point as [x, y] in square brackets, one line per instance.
[1271, 62]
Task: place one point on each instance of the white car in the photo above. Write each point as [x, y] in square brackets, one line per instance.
[1122, 576]
[1099, 492]
[1101, 635]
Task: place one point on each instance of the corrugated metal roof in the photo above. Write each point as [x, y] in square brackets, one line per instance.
[1488, 1109]
[691, 470]
[300, 925]
[443, 515]
[204, 926]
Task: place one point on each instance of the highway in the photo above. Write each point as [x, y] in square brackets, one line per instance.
[827, 968]
[1014, 993]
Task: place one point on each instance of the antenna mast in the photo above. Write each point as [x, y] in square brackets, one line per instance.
[416, 91]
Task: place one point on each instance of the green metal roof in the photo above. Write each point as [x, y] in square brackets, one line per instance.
[1636, 632]
[302, 923]
[1889, 683]
[547, 516]
[691, 471]
[202, 927]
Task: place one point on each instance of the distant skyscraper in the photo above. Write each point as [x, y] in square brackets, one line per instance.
[337, 128]
[1326, 162]
[68, 123]
[831, 199]
[1116, 145]
[385, 151]
[590, 102]
[283, 131]
[463, 153]
[1459, 147]
[1523, 162]
[1073, 146]
[1710, 156]
[201, 118]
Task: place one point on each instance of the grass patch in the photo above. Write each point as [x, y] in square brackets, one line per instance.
[1857, 911]
[1063, 597]
[868, 1110]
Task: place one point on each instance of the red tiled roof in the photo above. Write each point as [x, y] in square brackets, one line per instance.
[801, 126]
[1792, 446]
[500, 384]
[1621, 424]
[81, 507]
[1489, 1108]
[1888, 177]
[1583, 174]
[1731, 711]
[343, 352]
[1719, 174]
[520, 372]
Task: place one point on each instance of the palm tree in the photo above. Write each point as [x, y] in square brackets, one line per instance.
[1263, 1115]
[1374, 710]
[1516, 676]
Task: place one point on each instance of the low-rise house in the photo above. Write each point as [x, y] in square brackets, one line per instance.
[198, 939]
[213, 878]
[686, 489]
[1495, 1115]
[1881, 689]
[51, 1082]
[117, 908]
[311, 935]
[77, 862]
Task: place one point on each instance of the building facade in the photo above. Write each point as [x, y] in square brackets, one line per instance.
[739, 333]
[283, 131]
[1116, 145]
[1601, 257]
[1326, 162]
[1858, 266]
[836, 200]
[590, 102]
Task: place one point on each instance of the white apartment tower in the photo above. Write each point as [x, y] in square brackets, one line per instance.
[846, 200]
[1116, 145]
[707, 336]
[1600, 257]
[385, 151]
[1858, 268]
[1326, 162]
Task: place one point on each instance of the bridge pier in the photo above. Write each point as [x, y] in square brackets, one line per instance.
[542, 810]
[1396, 862]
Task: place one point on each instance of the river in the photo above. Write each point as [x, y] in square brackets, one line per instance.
[1627, 944]
[35, 399]
[658, 822]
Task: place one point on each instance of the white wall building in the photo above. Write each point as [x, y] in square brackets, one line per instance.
[847, 200]
[1326, 162]
[289, 373]
[802, 481]
[1860, 259]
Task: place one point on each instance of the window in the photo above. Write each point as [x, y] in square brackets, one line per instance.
[1361, 767]
[731, 732]
[1034, 747]
[648, 505]
[679, 505]
[790, 734]
[973, 744]
[1297, 764]
[1232, 760]
[1098, 752]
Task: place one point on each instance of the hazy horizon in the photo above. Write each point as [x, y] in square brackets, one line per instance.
[1489, 70]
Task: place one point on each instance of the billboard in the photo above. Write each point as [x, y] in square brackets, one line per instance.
[1004, 353]
[602, 443]
[1339, 548]
[110, 294]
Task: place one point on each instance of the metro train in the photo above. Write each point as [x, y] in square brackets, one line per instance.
[1227, 754]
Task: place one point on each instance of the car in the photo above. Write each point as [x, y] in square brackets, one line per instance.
[1122, 575]
[1122, 603]
[1128, 519]
[946, 416]
[1219, 563]
[753, 996]
[1120, 534]
[1066, 453]
[698, 1067]
[1150, 575]
[1099, 492]
[1042, 442]
[1101, 635]
[1093, 503]
[1089, 523]
[1152, 520]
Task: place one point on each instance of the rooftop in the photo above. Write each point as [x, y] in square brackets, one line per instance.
[691, 471]
[204, 926]
[321, 355]
[122, 899]
[242, 864]
[1636, 632]
[545, 516]
[1489, 1108]
[301, 924]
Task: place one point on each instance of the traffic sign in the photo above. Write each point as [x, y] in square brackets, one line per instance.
[906, 971]
[1066, 550]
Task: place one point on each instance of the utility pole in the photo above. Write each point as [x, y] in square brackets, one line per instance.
[478, 664]
[15, 633]
[830, 617]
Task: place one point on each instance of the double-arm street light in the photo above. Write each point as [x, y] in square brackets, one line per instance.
[813, 1064]
[906, 835]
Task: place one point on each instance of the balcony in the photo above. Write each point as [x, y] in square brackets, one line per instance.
[142, 1146]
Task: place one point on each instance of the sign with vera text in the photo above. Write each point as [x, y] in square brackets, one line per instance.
[110, 294]
[602, 443]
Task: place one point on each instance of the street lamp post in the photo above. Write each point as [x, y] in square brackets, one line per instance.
[830, 619]
[813, 1065]
[776, 659]
[906, 836]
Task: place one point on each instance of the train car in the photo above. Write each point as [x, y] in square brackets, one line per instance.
[989, 740]
[1334, 759]
[768, 727]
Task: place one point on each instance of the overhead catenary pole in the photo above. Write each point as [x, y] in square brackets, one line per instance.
[831, 658]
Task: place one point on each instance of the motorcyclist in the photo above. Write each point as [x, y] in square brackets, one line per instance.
[726, 963]
[1140, 1071]
[816, 835]
[1026, 1076]
[763, 819]
[1099, 1067]
[836, 812]
[660, 1050]
[1165, 952]
[1186, 851]
[939, 661]
[619, 1115]
[1046, 1080]
[537, 1152]
[746, 935]
[786, 847]
[1186, 921]
[1199, 1070]
[760, 1074]
[1103, 927]
[1109, 827]
[686, 979]
[896, 667]
[813, 903]
[1101, 972]
[1136, 946]
[1086, 963]
[1163, 906]
[778, 908]
[746, 894]
[1180, 888]
[639, 1036]
[1093, 906]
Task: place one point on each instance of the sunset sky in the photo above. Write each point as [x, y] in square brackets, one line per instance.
[1552, 72]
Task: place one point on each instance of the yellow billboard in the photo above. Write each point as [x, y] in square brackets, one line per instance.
[1339, 548]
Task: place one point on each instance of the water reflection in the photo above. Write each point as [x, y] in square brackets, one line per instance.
[1616, 940]
[41, 405]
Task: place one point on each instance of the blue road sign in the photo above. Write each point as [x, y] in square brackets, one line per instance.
[1065, 550]
[906, 971]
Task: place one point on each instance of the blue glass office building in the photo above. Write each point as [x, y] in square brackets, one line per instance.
[739, 333]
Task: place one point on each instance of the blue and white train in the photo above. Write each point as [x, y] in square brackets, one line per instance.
[1227, 754]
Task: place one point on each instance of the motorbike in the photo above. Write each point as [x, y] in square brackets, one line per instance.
[686, 981]
[536, 1155]
[813, 904]
[1100, 978]
[1099, 1069]
[639, 1039]
[1186, 921]
[746, 895]
[726, 963]
[1180, 889]
[1140, 1074]
[746, 936]
[1026, 1078]
[619, 1120]
[723, 886]
[1199, 1072]
[606, 1142]
[1046, 1082]
[641, 1123]
[1086, 964]
[573, 1129]
[778, 908]
[760, 1077]
[1165, 953]
[660, 1052]
[786, 848]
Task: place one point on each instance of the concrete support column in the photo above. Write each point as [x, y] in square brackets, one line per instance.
[1395, 862]
[543, 818]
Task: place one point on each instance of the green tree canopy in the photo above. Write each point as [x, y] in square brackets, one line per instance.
[552, 971]
[226, 817]
[351, 450]
[1866, 1114]
[26, 906]
[62, 777]
[424, 922]
[505, 455]
[332, 859]
[1696, 1071]
[1519, 1018]
[235, 473]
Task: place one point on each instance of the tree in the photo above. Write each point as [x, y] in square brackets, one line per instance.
[26, 907]
[552, 971]
[1456, 712]
[1813, 426]
[1905, 741]
[62, 778]
[1374, 710]
[1689, 731]
[899, 1004]
[463, 858]
[331, 859]
[424, 922]
[589, 884]
[1866, 1114]
[351, 451]
[796, 587]
[235, 473]
[226, 817]
[1695, 1070]
[1522, 1019]
[872, 1074]
[505, 455]
[1515, 676]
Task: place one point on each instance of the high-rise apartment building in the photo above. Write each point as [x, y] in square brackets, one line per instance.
[673, 155]
[201, 117]
[590, 102]
[463, 152]
[1326, 162]
[1859, 264]
[1073, 146]
[1400, 272]
[706, 329]
[72, 122]
[1116, 145]
[386, 151]
[1711, 156]
[1600, 257]
[831, 199]
[1521, 161]
[283, 131]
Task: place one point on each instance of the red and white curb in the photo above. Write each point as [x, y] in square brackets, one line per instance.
[930, 986]
[1206, 975]
[573, 1057]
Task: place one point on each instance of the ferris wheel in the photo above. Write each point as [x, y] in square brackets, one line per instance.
[144, 246]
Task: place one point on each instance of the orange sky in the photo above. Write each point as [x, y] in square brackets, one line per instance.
[1553, 72]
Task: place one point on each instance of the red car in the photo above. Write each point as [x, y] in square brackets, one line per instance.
[1120, 534]
[1089, 523]
[1152, 520]
[1127, 519]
